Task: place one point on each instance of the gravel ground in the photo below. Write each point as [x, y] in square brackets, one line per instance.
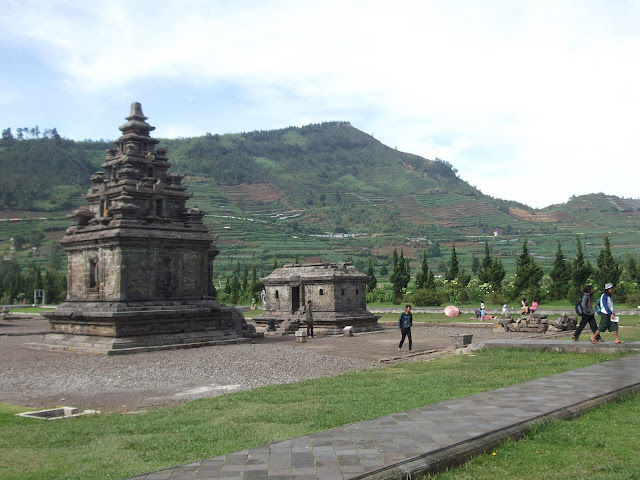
[42, 379]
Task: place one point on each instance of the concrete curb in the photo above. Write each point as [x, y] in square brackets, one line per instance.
[459, 453]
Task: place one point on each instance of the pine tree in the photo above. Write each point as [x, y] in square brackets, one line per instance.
[496, 274]
[475, 265]
[485, 266]
[581, 270]
[235, 288]
[254, 284]
[373, 282]
[421, 276]
[528, 274]
[454, 267]
[608, 269]
[399, 278]
[632, 274]
[560, 275]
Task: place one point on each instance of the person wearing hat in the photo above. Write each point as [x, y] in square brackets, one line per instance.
[608, 318]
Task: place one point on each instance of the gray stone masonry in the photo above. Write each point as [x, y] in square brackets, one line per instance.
[337, 291]
[140, 264]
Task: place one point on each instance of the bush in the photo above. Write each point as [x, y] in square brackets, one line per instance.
[496, 298]
[426, 298]
[633, 298]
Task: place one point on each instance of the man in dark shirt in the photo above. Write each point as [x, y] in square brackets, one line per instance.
[405, 322]
[588, 314]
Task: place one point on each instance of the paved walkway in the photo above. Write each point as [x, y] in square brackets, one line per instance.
[426, 439]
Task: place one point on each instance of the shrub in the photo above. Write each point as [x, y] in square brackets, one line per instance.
[426, 298]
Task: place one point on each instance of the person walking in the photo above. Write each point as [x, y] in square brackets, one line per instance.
[404, 322]
[308, 317]
[608, 318]
[588, 314]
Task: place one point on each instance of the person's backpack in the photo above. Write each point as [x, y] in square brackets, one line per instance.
[579, 308]
[599, 305]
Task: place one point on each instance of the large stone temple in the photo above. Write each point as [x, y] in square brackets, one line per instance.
[337, 292]
[140, 263]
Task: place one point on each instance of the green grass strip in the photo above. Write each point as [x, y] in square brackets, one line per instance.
[601, 444]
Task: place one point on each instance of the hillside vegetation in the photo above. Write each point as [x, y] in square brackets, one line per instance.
[320, 192]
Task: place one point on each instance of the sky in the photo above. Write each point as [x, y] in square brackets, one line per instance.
[533, 101]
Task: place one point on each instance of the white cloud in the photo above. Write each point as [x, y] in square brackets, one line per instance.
[514, 94]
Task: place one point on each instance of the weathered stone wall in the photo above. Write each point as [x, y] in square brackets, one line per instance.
[279, 298]
[94, 274]
[324, 302]
[350, 296]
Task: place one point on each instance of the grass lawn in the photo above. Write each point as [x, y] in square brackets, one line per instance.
[31, 309]
[120, 445]
[601, 444]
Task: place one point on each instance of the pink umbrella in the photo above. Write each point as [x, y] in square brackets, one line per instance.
[451, 311]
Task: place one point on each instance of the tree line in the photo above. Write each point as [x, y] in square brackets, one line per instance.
[487, 280]
[17, 284]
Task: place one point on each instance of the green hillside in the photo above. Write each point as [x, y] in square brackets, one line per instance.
[326, 191]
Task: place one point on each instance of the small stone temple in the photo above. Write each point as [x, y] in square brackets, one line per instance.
[337, 292]
[140, 263]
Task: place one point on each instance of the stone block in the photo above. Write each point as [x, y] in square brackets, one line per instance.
[460, 340]
[301, 336]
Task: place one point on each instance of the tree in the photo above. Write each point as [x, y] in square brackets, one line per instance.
[373, 282]
[528, 274]
[425, 278]
[631, 271]
[421, 276]
[463, 278]
[384, 271]
[560, 275]
[475, 265]
[608, 269]
[7, 136]
[485, 266]
[234, 286]
[254, 284]
[581, 270]
[496, 274]
[433, 250]
[400, 277]
[454, 267]
[491, 270]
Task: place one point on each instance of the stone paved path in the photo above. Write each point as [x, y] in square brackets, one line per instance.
[425, 439]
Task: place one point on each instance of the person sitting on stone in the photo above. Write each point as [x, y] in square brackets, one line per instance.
[534, 306]
[524, 309]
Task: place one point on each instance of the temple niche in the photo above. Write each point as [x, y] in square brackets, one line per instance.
[140, 264]
[337, 292]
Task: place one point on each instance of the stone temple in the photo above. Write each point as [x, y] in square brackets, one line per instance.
[140, 264]
[337, 292]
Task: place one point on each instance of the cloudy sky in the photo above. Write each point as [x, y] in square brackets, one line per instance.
[530, 101]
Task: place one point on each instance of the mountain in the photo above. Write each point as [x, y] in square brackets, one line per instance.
[320, 191]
